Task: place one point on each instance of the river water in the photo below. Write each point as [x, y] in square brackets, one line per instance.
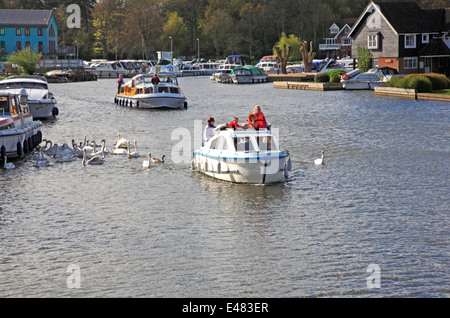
[380, 199]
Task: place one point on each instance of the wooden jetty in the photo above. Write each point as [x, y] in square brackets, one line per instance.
[311, 86]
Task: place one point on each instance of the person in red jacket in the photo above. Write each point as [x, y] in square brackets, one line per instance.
[260, 119]
[234, 124]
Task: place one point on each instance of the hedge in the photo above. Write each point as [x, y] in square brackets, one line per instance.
[415, 81]
[335, 75]
[439, 81]
[322, 78]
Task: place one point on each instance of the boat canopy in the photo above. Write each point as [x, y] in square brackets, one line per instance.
[248, 70]
[235, 59]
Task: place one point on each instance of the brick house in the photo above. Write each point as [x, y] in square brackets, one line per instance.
[337, 42]
[403, 36]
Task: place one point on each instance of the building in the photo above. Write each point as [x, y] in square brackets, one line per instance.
[337, 42]
[35, 30]
[403, 36]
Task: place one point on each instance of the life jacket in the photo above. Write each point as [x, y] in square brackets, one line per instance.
[260, 120]
[233, 125]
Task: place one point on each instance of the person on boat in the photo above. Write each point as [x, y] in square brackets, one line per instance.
[155, 79]
[120, 83]
[209, 129]
[260, 119]
[234, 124]
[251, 122]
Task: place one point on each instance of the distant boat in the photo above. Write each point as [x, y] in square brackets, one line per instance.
[223, 73]
[358, 80]
[248, 74]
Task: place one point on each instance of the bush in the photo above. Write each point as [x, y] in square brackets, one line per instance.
[419, 82]
[395, 82]
[27, 60]
[322, 78]
[439, 81]
[335, 75]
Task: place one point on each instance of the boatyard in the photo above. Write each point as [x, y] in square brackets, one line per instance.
[158, 173]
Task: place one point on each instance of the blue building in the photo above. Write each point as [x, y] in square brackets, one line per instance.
[35, 30]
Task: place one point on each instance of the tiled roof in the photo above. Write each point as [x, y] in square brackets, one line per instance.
[408, 17]
[436, 47]
[29, 18]
[340, 23]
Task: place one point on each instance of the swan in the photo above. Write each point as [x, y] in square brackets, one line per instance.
[52, 149]
[132, 154]
[97, 160]
[39, 154]
[41, 161]
[99, 153]
[320, 161]
[156, 160]
[8, 165]
[146, 163]
[121, 142]
[120, 151]
[64, 157]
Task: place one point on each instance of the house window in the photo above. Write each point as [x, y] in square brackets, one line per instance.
[410, 41]
[18, 32]
[425, 38]
[2, 31]
[51, 32]
[28, 46]
[40, 47]
[372, 41]
[19, 46]
[410, 62]
[2, 47]
[346, 41]
[51, 47]
[40, 32]
[27, 32]
[334, 29]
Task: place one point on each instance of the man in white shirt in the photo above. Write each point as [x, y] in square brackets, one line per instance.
[209, 129]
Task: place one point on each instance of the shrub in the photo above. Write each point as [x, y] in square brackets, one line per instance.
[335, 75]
[395, 82]
[322, 78]
[419, 82]
[27, 60]
[439, 81]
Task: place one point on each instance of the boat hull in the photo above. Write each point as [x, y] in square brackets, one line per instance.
[262, 170]
[42, 109]
[21, 140]
[249, 79]
[173, 102]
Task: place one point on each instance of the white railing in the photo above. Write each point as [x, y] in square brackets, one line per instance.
[329, 47]
[60, 64]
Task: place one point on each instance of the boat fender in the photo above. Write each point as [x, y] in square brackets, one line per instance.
[289, 165]
[286, 173]
[3, 152]
[25, 146]
[193, 164]
[115, 100]
[126, 103]
[55, 111]
[30, 145]
[185, 105]
[137, 104]
[219, 168]
[19, 149]
[206, 166]
[131, 103]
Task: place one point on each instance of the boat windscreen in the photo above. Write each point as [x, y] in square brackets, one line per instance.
[4, 107]
[20, 85]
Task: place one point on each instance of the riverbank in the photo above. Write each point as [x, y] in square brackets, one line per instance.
[412, 94]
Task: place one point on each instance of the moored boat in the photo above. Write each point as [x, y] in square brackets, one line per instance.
[245, 156]
[41, 102]
[248, 74]
[141, 92]
[19, 133]
[357, 80]
[224, 71]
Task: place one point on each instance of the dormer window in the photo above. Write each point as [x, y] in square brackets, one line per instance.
[18, 32]
[27, 32]
[334, 29]
[425, 38]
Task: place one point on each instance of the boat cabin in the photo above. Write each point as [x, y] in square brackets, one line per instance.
[142, 84]
[245, 141]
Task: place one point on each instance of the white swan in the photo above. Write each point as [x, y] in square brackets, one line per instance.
[100, 153]
[320, 161]
[41, 161]
[97, 160]
[39, 154]
[8, 165]
[120, 151]
[146, 163]
[156, 160]
[121, 142]
[134, 154]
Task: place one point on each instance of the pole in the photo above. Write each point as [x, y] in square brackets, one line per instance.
[171, 47]
[116, 49]
[198, 53]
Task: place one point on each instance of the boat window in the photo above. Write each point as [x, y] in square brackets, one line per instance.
[4, 107]
[219, 143]
[20, 85]
[14, 109]
[174, 90]
[149, 90]
[267, 143]
[244, 144]
[163, 89]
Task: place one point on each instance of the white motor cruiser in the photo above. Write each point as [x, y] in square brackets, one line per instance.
[243, 156]
[41, 101]
[19, 133]
[141, 92]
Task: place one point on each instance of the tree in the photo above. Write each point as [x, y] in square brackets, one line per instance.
[26, 60]
[217, 29]
[364, 59]
[293, 43]
[175, 28]
[308, 57]
[283, 58]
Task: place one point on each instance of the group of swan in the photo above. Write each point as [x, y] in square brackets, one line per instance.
[122, 147]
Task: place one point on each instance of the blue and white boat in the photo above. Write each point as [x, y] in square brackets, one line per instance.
[243, 156]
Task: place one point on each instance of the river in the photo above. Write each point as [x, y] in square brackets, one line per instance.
[381, 199]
